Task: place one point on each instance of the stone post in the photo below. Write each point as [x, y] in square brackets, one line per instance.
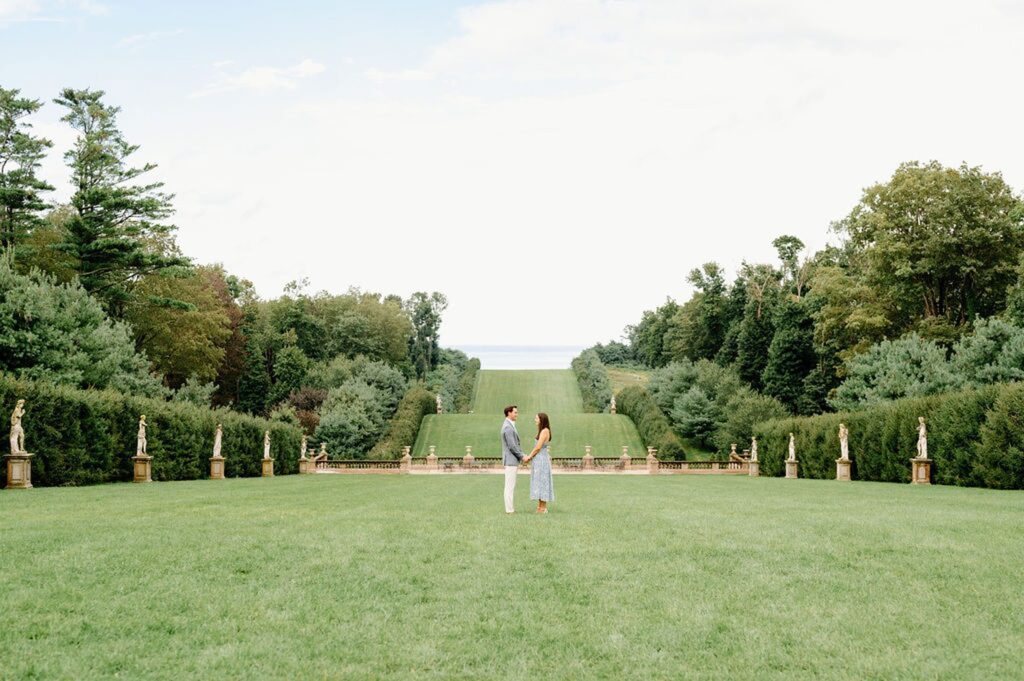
[268, 468]
[921, 471]
[467, 461]
[791, 468]
[407, 459]
[843, 469]
[217, 467]
[652, 461]
[754, 468]
[143, 468]
[432, 459]
[19, 470]
[625, 458]
[588, 458]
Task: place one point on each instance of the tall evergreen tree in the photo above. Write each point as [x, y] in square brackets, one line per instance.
[791, 354]
[425, 311]
[117, 233]
[21, 190]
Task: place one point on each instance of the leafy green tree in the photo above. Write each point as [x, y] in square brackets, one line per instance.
[908, 367]
[425, 312]
[648, 337]
[943, 242]
[58, 333]
[743, 411]
[790, 355]
[699, 327]
[290, 369]
[735, 304]
[117, 233]
[21, 189]
[254, 383]
[194, 391]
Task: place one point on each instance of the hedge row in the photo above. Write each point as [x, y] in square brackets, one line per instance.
[467, 384]
[655, 431]
[975, 438]
[82, 437]
[405, 425]
[593, 379]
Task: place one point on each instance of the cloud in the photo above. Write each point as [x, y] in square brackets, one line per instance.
[14, 11]
[259, 78]
[404, 75]
[143, 38]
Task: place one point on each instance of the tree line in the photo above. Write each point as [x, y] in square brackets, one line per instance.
[96, 293]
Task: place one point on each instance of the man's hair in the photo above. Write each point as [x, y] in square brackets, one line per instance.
[509, 408]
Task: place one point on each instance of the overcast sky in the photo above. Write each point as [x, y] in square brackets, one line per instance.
[565, 161]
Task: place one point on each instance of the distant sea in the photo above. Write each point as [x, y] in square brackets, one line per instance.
[522, 356]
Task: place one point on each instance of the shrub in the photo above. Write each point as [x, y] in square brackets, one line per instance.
[593, 379]
[405, 425]
[84, 437]
[467, 385]
[636, 403]
[971, 439]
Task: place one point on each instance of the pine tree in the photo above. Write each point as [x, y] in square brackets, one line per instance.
[21, 202]
[791, 354]
[755, 337]
[117, 233]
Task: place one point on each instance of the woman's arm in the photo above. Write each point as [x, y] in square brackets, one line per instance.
[545, 435]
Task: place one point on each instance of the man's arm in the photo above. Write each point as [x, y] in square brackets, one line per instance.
[511, 443]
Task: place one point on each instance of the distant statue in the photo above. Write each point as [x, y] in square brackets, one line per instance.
[302, 448]
[753, 449]
[322, 454]
[17, 434]
[922, 439]
[613, 404]
[140, 448]
[266, 444]
[217, 437]
[732, 451]
[440, 408]
[844, 442]
[792, 447]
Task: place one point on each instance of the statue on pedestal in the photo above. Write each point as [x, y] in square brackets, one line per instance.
[753, 449]
[17, 434]
[922, 439]
[792, 447]
[440, 408]
[266, 444]
[844, 442]
[140, 448]
[613, 404]
[302, 448]
[217, 437]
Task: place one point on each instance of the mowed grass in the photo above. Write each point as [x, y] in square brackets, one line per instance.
[450, 433]
[403, 577]
[552, 392]
[626, 378]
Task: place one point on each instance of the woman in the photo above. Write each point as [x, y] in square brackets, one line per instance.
[541, 487]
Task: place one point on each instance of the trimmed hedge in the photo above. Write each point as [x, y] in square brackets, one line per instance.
[467, 384]
[655, 431]
[593, 379]
[82, 437]
[405, 425]
[974, 439]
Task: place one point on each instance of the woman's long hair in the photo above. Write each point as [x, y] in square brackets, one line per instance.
[543, 422]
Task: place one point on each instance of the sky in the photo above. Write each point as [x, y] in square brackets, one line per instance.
[554, 167]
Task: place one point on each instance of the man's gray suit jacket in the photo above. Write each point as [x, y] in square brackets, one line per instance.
[511, 451]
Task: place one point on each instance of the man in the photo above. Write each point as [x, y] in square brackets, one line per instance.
[511, 455]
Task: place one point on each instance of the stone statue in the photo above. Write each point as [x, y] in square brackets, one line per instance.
[844, 442]
[140, 449]
[266, 444]
[732, 451]
[753, 449]
[440, 409]
[302, 448]
[792, 447]
[613, 404]
[922, 439]
[217, 437]
[17, 434]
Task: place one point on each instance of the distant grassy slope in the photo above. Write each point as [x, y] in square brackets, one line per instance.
[450, 433]
[624, 378]
[553, 392]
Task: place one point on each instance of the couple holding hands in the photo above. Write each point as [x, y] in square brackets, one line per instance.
[541, 486]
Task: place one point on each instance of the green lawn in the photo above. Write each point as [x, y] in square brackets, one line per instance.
[625, 378]
[450, 433]
[553, 392]
[334, 577]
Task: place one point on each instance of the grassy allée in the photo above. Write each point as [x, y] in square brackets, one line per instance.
[402, 577]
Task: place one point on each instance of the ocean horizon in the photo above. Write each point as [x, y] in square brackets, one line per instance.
[522, 356]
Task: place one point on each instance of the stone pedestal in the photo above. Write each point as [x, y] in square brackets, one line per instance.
[843, 469]
[143, 468]
[791, 468]
[432, 459]
[754, 470]
[268, 468]
[652, 461]
[625, 458]
[921, 471]
[19, 470]
[305, 466]
[467, 461]
[216, 468]
[406, 460]
[588, 458]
